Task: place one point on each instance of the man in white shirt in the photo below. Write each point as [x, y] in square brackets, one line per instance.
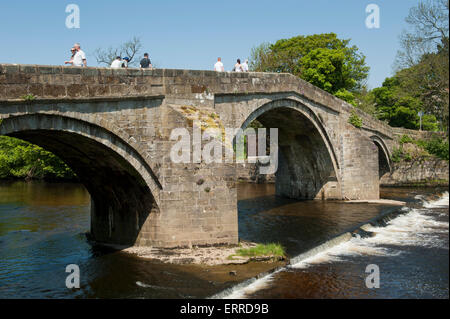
[245, 66]
[218, 67]
[79, 58]
[117, 63]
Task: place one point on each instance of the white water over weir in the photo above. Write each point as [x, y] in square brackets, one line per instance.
[413, 227]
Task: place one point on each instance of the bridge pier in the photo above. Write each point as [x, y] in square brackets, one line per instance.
[359, 166]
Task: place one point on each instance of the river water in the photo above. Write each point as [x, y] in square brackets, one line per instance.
[43, 227]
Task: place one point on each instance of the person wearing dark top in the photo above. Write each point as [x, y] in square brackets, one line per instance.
[145, 62]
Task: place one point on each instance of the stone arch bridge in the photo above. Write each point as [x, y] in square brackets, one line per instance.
[113, 127]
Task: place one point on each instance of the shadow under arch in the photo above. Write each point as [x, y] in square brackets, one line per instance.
[307, 163]
[116, 177]
[384, 156]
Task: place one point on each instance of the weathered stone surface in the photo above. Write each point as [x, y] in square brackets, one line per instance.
[113, 128]
[422, 170]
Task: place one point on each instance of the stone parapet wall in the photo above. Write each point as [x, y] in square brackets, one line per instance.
[61, 82]
[427, 171]
[398, 132]
[50, 82]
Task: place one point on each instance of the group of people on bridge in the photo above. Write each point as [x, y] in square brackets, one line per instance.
[78, 59]
[238, 67]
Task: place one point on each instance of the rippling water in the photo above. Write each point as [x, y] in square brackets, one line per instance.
[411, 252]
[43, 226]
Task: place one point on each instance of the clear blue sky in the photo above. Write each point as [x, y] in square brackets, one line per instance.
[192, 34]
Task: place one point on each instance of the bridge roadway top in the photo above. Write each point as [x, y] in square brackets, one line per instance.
[60, 83]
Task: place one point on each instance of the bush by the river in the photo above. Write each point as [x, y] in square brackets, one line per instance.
[23, 160]
[437, 146]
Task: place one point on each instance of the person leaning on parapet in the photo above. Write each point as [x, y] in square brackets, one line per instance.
[79, 59]
[245, 66]
[146, 63]
[71, 58]
[218, 67]
[117, 63]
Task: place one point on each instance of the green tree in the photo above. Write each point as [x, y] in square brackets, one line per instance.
[321, 59]
[423, 61]
[348, 97]
[363, 100]
[20, 159]
[428, 80]
[399, 107]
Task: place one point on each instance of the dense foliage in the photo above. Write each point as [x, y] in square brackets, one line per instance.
[436, 146]
[421, 82]
[321, 59]
[400, 108]
[20, 159]
[355, 120]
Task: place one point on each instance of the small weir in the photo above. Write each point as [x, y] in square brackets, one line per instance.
[394, 227]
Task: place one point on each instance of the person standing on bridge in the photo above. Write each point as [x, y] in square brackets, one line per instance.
[79, 58]
[218, 67]
[245, 66]
[117, 63]
[71, 58]
[146, 63]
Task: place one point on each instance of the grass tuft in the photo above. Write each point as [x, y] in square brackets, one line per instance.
[260, 250]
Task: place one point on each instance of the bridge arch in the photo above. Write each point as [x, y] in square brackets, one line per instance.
[120, 182]
[308, 167]
[384, 156]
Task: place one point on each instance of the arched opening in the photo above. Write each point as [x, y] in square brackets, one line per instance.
[307, 167]
[384, 163]
[114, 174]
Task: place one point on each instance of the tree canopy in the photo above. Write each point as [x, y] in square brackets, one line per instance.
[321, 59]
[400, 109]
[421, 81]
[20, 159]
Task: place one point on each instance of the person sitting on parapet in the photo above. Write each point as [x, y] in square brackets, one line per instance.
[146, 63]
[218, 67]
[117, 63]
[73, 51]
[79, 59]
